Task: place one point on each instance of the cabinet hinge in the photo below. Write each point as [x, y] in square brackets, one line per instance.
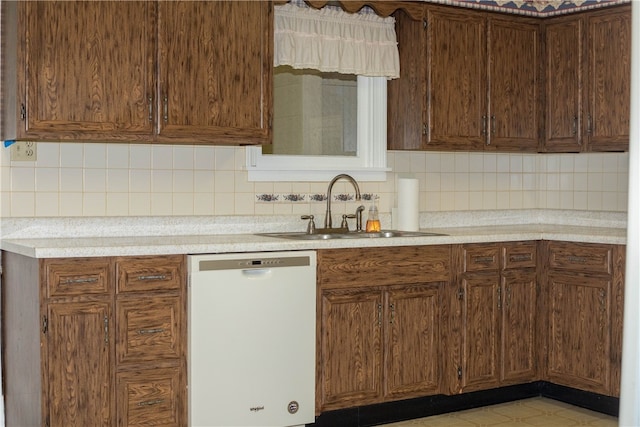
[460, 294]
[425, 130]
[106, 330]
[424, 24]
[23, 112]
[45, 324]
[459, 372]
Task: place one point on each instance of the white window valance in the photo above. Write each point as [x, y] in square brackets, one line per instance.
[332, 40]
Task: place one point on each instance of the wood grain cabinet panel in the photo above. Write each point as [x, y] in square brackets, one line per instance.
[381, 325]
[497, 315]
[145, 71]
[77, 351]
[78, 374]
[490, 102]
[151, 397]
[584, 287]
[588, 74]
[149, 329]
[88, 73]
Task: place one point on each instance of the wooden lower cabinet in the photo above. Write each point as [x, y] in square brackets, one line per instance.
[87, 345]
[497, 312]
[381, 324]
[584, 285]
[78, 372]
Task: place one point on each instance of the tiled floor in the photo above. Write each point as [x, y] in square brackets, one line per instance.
[537, 411]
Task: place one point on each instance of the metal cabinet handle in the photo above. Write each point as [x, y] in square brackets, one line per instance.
[150, 331]
[574, 131]
[499, 298]
[577, 259]
[483, 259]
[589, 124]
[379, 314]
[523, 257]
[80, 280]
[392, 307]
[150, 101]
[484, 125]
[165, 106]
[153, 277]
[151, 402]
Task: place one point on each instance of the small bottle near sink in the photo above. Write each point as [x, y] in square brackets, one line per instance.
[373, 220]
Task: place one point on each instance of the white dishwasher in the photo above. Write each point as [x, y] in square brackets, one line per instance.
[252, 339]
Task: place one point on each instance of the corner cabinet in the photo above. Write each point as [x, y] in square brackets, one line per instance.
[172, 72]
[382, 324]
[482, 104]
[105, 345]
[588, 74]
[496, 315]
[584, 287]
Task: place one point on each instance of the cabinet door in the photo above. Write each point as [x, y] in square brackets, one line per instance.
[579, 331]
[481, 331]
[564, 79]
[215, 74]
[609, 56]
[519, 297]
[78, 374]
[88, 71]
[416, 341]
[350, 348]
[513, 85]
[457, 89]
[407, 99]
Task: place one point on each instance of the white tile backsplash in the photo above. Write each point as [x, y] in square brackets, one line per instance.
[96, 179]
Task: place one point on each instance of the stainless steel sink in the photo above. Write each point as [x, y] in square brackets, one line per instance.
[301, 235]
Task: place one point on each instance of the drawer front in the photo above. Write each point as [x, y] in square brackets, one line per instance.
[149, 329]
[383, 266]
[580, 257]
[76, 276]
[141, 274]
[481, 257]
[519, 255]
[151, 398]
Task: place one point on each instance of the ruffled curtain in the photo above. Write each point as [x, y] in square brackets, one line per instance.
[332, 40]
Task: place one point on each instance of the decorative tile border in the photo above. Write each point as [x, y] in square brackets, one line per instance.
[311, 198]
[536, 8]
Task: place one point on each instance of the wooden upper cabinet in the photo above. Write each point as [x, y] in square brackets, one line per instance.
[457, 85]
[564, 80]
[514, 69]
[215, 62]
[474, 84]
[587, 61]
[609, 80]
[86, 70]
[196, 72]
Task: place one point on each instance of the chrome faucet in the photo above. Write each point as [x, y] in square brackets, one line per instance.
[327, 218]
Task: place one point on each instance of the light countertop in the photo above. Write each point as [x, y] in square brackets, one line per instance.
[82, 237]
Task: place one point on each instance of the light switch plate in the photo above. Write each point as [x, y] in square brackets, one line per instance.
[23, 151]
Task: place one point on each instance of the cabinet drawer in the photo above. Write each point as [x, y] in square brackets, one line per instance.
[151, 398]
[580, 257]
[519, 255]
[76, 276]
[481, 257]
[383, 266]
[149, 273]
[149, 329]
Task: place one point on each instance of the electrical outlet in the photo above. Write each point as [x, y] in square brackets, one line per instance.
[23, 151]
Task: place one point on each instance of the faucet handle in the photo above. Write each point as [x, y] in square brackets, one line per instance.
[311, 226]
[345, 224]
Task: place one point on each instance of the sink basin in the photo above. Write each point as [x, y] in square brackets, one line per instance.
[384, 234]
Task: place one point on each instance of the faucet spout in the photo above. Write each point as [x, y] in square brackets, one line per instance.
[327, 218]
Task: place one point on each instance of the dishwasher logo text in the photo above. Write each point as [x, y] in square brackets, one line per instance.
[256, 408]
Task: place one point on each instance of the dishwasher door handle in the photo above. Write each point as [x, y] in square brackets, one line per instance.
[256, 273]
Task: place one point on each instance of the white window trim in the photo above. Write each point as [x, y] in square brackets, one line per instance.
[370, 163]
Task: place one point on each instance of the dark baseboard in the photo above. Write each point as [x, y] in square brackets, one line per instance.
[390, 412]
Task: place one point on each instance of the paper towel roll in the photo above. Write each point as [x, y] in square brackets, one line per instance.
[408, 204]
